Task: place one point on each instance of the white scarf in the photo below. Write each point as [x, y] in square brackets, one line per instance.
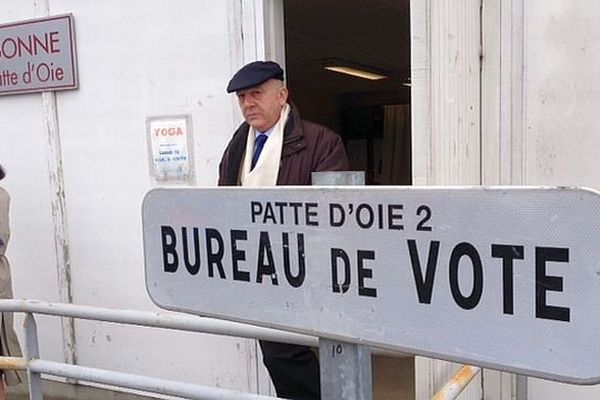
[267, 167]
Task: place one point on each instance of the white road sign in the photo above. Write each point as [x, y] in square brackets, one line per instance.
[507, 278]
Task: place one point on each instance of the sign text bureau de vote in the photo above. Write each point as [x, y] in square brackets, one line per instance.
[507, 278]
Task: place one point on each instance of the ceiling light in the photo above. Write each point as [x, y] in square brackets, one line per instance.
[360, 73]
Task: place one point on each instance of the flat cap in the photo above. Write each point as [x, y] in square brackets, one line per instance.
[2, 173]
[254, 74]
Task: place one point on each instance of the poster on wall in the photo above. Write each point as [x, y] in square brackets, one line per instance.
[169, 146]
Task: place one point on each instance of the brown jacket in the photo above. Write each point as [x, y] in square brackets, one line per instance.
[307, 147]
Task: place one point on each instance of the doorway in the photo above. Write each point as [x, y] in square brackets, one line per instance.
[327, 40]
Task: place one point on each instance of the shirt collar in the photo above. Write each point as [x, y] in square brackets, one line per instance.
[268, 132]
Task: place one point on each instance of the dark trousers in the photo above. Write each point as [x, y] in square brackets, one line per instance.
[294, 370]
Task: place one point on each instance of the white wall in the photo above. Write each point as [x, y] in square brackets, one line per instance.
[136, 59]
[23, 149]
[540, 121]
[562, 92]
[562, 118]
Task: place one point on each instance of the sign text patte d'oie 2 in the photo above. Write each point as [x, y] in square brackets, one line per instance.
[507, 278]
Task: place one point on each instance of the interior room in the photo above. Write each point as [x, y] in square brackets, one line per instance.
[348, 68]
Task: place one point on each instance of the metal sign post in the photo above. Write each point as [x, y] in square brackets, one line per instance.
[345, 367]
[345, 370]
[505, 278]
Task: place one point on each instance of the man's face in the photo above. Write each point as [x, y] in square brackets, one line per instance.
[262, 104]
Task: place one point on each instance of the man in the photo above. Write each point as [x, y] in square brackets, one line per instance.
[9, 345]
[274, 146]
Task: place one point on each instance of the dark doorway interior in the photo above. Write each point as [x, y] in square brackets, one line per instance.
[373, 116]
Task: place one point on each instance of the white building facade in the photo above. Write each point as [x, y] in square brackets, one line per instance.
[503, 93]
